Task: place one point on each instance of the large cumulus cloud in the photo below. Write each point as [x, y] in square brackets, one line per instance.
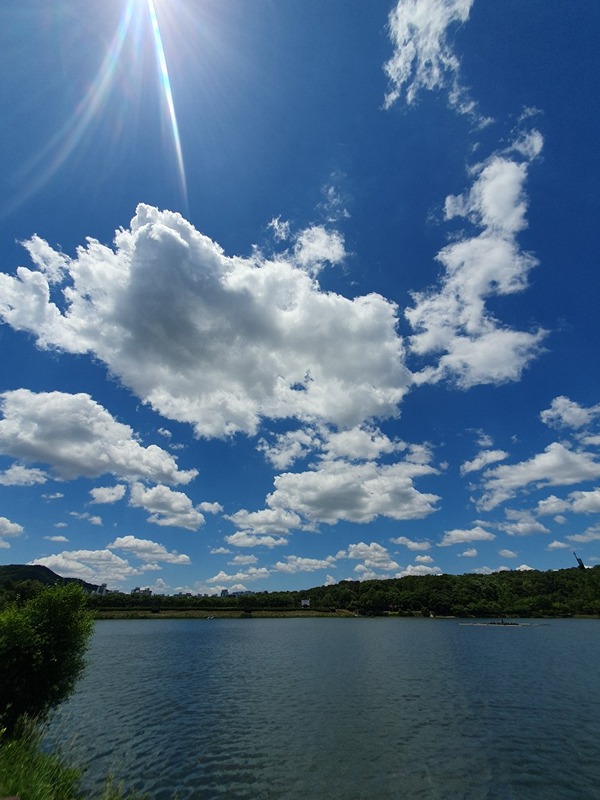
[214, 341]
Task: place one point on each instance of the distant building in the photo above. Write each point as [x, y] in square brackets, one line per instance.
[145, 592]
[245, 593]
[224, 592]
[101, 589]
[305, 602]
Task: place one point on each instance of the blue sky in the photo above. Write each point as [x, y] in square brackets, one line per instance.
[296, 292]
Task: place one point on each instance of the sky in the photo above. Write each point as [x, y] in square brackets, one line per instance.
[295, 292]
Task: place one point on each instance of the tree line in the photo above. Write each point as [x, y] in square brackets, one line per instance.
[528, 593]
[520, 593]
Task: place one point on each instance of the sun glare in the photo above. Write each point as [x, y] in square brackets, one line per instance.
[168, 94]
[137, 16]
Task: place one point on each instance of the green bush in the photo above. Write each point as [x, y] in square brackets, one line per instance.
[42, 648]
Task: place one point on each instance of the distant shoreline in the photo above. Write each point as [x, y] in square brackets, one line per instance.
[120, 614]
[233, 613]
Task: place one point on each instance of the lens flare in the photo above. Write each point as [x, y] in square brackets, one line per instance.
[166, 86]
[34, 175]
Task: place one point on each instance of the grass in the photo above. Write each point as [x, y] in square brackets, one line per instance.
[30, 774]
[33, 775]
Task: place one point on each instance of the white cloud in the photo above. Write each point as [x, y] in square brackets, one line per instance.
[218, 342]
[524, 568]
[521, 523]
[166, 507]
[585, 502]
[419, 569]
[410, 543]
[471, 552]
[482, 460]
[556, 466]
[245, 539]
[93, 520]
[251, 574]
[280, 228]
[489, 570]
[356, 492]
[56, 538]
[374, 557]
[591, 441]
[551, 505]
[243, 560]
[78, 437]
[360, 443]
[484, 440]
[210, 508]
[159, 586]
[333, 205]
[95, 566]
[17, 475]
[267, 521]
[590, 535]
[564, 413]
[293, 564]
[458, 536]
[108, 494]
[314, 246]
[556, 545]
[579, 502]
[8, 529]
[220, 551]
[452, 321]
[424, 560]
[507, 553]
[529, 144]
[146, 550]
[54, 496]
[289, 447]
[423, 58]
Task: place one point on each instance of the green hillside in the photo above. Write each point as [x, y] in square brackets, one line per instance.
[13, 574]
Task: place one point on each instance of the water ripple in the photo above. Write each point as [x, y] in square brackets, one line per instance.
[356, 709]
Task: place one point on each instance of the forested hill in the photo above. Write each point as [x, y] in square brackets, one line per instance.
[520, 593]
[13, 575]
[528, 593]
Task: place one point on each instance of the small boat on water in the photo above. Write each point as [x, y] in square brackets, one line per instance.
[502, 624]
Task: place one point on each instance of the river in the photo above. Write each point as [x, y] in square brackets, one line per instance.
[414, 709]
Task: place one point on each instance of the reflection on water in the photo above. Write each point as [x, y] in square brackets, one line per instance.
[339, 708]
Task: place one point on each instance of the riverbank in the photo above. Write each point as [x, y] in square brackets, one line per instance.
[233, 613]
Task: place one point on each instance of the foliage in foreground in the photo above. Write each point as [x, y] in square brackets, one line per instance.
[26, 771]
[31, 774]
[42, 647]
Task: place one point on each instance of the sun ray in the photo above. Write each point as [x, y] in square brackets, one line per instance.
[61, 146]
[166, 86]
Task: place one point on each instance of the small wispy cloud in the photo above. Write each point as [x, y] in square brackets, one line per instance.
[423, 57]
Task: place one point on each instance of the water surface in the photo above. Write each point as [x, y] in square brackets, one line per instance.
[339, 708]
